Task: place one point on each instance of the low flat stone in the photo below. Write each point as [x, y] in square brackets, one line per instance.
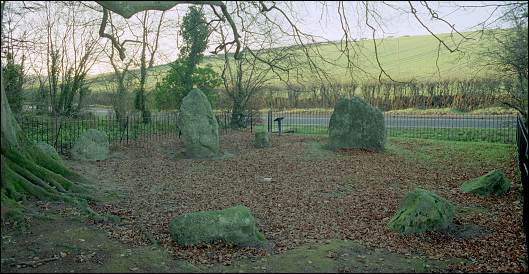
[492, 183]
[262, 139]
[422, 211]
[234, 225]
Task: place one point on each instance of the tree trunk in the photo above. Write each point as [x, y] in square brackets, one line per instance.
[237, 112]
[28, 171]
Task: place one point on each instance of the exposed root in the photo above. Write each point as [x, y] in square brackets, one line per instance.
[28, 171]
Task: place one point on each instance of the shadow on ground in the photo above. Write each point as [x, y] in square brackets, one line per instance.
[63, 244]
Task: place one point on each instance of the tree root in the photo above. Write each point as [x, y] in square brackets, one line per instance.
[28, 171]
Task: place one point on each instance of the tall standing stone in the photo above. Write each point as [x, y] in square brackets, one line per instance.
[198, 125]
[356, 124]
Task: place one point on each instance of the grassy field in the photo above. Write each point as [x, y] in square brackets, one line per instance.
[405, 58]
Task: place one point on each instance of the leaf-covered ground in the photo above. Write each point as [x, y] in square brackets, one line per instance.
[315, 195]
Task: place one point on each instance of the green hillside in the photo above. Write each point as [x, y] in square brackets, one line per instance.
[404, 58]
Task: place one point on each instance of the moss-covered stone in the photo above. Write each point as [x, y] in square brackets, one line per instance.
[234, 225]
[492, 183]
[92, 145]
[356, 124]
[49, 150]
[422, 211]
[199, 126]
[262, 139]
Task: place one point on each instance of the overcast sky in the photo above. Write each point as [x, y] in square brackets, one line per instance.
[396, 23]
[321, 19]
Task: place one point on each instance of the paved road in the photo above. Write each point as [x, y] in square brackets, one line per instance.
[407, 121]
[481, 121]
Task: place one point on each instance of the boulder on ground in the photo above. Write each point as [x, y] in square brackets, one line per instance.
[422, 211]
[234, 225]
[356, 124]
[92, 145]
[262, 139]
[49, 150]
[199, 126]
[492, 183]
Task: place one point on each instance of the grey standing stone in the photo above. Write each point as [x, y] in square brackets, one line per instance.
[49, 150]
[262, 139]
[92, 145]
[199, 126]
[356, 124]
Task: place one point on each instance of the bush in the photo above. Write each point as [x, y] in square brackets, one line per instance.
[13, 80]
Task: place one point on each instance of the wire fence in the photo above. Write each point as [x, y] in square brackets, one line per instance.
[461, 127]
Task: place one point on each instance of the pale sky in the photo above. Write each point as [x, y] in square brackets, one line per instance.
[398, 23]
[323, 20]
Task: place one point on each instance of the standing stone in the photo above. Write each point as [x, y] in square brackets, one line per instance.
[48, 149]
[356, 124]
[92, 145]
[199, 126]
[262, 139]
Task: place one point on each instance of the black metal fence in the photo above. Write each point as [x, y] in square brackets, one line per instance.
[464, 127]
[523, 164]
[62, 132]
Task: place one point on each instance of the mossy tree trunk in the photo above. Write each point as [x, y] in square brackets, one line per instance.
[28, 171]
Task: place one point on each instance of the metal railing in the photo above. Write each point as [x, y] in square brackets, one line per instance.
[62, 132]
[523, 164]
[461, 127]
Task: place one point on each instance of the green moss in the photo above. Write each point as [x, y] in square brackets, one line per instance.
[49, 150]
[422, 211]
[233, 225]
[334, 256]
[29, 171]
[492, 183]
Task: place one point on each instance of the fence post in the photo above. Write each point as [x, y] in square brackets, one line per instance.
[523, 162]
[269, 120]
[225, 122]
[127, 129]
